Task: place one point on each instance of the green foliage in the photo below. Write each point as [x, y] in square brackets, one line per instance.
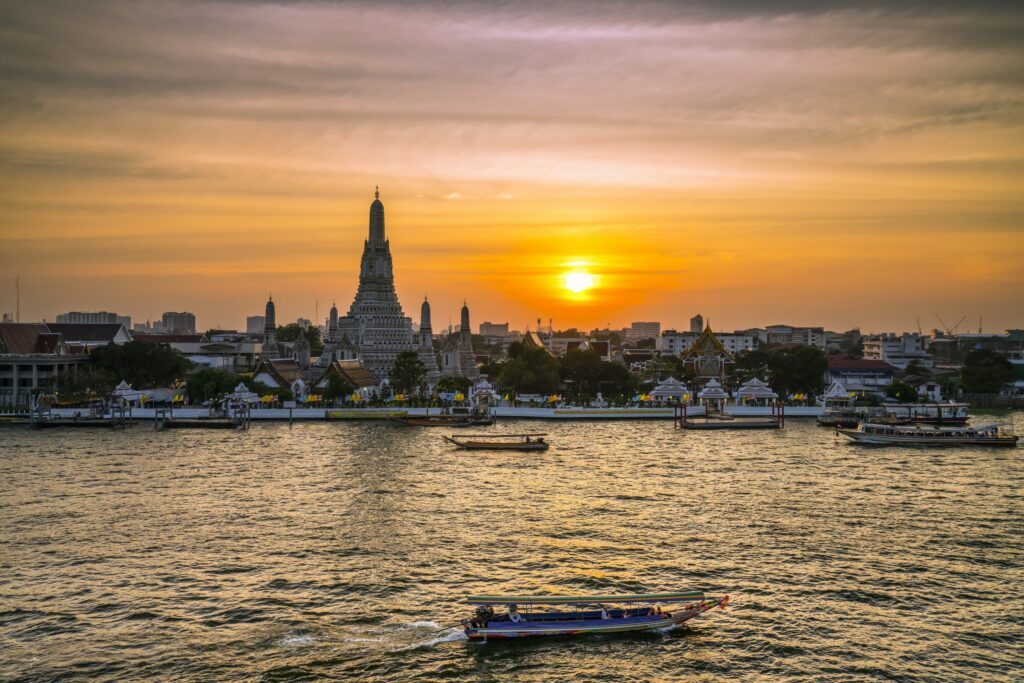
[530, 370]
[291, 332]
[141, 364]
[337, 388]
[852, 346]
[408, 373]
[649, 343]
[800, 369]
[664, 367]
[583, 369]
[985, 371]
[453, 384]
[617, 380]
[211, 383]
[751, 364]
[902, 392]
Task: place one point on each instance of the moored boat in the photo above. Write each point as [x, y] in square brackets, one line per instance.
[499, 442]
[989, 434]
[629, 613]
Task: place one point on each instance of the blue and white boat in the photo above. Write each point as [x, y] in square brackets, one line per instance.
[521, 617]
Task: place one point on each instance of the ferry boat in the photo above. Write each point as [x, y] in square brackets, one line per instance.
[989, 434]
[850, 417]
[929, 413]
[499, 442]
[629, 613]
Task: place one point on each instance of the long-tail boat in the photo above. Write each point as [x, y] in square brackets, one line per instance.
[499, 442]
[590, 614]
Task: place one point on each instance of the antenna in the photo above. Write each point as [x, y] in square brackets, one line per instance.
[17, 298]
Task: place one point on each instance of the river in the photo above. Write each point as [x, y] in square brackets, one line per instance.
[342, 550]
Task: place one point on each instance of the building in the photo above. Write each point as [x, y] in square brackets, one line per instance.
[89, 336]
[860, 374]
[788, 334]
[897, 349]
[99, 317]
[375, 329]
[178, 323]
[254, 324]
[676, 343]
[230, 352]
[33, 359]
[425, 344]
[707, 359]
[697, 324]
[271, 349]
[637, 331]
[457, 356]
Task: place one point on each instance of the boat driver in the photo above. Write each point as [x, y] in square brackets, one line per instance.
[513, 614]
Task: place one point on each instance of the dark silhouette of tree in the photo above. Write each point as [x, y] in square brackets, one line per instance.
[408, 373]
[985, 371]
[141, 364]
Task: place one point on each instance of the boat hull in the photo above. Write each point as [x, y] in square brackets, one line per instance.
[914, 440]
[537, 629]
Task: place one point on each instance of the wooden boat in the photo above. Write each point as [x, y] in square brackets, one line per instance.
[630, 613]
[459, 417]
[499, 442]
[989, 434]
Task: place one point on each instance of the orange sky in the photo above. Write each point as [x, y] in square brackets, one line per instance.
[848, 166]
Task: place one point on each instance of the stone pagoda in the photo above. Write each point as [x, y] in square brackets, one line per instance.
[376, 330]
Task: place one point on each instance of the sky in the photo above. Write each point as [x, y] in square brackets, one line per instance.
[815, 163]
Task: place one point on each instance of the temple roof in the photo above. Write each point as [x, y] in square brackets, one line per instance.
[707, 341]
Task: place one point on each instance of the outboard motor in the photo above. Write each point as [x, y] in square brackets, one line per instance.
[484, 613]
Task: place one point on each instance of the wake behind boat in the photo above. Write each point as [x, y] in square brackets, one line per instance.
[591, 615]
[499, 442]
[989, 434]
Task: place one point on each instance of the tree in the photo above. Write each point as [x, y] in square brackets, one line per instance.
[798, 369]
[453, 384]
[530, 370]
[210, 383]
[337, 387]
[985, 372]
[583, 369]
[902, 392]
[617, 380]
[751, 364]
[408, 373]
[141, 364]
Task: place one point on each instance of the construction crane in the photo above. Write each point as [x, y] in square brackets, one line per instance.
[950, 330]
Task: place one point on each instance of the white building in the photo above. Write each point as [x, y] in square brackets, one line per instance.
[178, 323]
[897, 349]
[675, 343]
[788, 334]
[93, 318]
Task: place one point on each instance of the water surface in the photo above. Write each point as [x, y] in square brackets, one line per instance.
[343, 550]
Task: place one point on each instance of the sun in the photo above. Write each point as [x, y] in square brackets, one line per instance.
[578, 281]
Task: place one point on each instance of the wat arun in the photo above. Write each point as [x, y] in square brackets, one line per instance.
[376, 330]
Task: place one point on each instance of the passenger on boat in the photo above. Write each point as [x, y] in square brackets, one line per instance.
[513, 614]
[604, 613]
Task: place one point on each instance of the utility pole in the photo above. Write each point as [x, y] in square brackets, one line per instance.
[17, 298]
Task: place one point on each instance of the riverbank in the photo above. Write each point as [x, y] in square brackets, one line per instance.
[508, 412]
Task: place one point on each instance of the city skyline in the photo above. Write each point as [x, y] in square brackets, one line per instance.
[843, 166]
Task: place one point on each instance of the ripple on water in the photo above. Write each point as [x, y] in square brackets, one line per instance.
[345, 551]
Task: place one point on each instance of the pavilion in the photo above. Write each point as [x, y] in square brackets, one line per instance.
[756, 391]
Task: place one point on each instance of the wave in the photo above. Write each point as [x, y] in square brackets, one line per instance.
[446, 636]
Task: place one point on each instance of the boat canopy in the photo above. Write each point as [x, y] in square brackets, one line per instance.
[581, 599]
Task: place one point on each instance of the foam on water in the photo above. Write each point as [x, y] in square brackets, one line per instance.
[298, 640]
[448, 635]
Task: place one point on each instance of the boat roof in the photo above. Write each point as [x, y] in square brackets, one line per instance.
[582, 599]
[494, 436]
[938, 428]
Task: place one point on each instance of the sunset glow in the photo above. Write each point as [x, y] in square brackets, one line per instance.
[761, 166]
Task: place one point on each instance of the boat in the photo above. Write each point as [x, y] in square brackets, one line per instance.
[499, 442]
[591, 614]
[458, 417]
[851, 417]
[930, 413]
[988, 434]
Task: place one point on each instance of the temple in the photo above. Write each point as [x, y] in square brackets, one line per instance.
[425, 344]
[457, 357]
[375, 330]
[708, 360]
